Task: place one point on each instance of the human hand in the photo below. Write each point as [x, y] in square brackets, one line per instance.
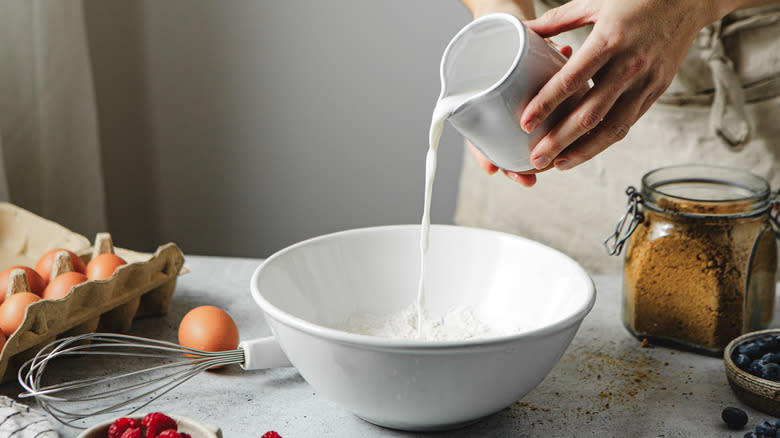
[631, 55]
[526, 179]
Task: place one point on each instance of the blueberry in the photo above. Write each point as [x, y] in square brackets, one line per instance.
[768, 343]
[742, 361]
[750, 435]
[767, 358]
[735, 418]
[770, 371]
[777, 424]
[766, 428]
[750, 349]
[755, 368]
[770, 358]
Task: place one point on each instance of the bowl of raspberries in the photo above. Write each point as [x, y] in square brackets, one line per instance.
[152, 425]
[752, 363]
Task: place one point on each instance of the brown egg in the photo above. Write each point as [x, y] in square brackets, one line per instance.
[208, 328]
[46, 261]
[34, 280]
[12, 311]
[103, 266]
[62, 285]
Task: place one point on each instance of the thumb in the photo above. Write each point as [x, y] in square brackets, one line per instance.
[561, 19]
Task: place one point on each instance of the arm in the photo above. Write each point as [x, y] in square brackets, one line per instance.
[523, 9]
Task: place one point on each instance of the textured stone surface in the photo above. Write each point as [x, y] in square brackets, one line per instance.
[606, 384]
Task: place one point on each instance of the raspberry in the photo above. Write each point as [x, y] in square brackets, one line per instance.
[157, 422]
[133, 432]
[169, 433]
[271, 434]
[185, 435]
[120, 425]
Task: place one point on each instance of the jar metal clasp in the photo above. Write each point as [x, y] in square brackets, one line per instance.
[626, 224]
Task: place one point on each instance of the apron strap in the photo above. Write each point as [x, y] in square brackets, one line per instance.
[728, 118]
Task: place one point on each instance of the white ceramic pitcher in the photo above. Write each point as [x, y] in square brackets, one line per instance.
[510, 63]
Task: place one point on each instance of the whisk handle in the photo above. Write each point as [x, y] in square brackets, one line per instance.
[263, 353]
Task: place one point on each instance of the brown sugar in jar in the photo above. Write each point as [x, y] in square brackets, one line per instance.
[701, 263]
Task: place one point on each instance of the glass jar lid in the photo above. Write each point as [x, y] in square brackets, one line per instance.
[704, 190]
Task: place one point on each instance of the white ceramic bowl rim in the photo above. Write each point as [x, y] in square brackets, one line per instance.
[412, 344]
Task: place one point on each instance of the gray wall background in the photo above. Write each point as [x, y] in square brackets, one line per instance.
[239, 127]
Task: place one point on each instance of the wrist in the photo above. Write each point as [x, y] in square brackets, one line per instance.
[523, 9]
[721, 8]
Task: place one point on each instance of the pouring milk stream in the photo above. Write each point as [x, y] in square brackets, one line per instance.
[490, 69]
[443, 109]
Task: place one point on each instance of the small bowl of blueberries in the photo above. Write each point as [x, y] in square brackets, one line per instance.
[752, 364]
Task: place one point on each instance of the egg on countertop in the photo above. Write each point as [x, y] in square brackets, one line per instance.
[208, 328]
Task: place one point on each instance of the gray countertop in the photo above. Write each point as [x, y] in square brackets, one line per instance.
[606, 384]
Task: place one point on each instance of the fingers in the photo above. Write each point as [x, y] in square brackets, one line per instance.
[588, 114]
[571, 79]
[481, 160]
[561, 19]
[526, 179]
[612, 129]
[565, 50]
[623, 92]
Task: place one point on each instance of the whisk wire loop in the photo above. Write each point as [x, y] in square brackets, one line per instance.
[131, 390]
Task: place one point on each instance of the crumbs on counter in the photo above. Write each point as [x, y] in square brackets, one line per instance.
[623, 374]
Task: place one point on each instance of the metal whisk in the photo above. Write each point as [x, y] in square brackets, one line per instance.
[126, 392]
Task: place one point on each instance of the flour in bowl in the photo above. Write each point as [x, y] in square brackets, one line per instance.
[458, 324]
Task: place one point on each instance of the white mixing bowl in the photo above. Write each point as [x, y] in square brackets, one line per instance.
[537, 295]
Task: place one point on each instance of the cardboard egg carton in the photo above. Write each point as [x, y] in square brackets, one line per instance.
[142, 287]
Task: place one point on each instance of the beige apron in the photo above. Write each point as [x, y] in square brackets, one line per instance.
[723, 108]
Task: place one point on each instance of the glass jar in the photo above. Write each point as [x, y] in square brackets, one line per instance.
[701, 260]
